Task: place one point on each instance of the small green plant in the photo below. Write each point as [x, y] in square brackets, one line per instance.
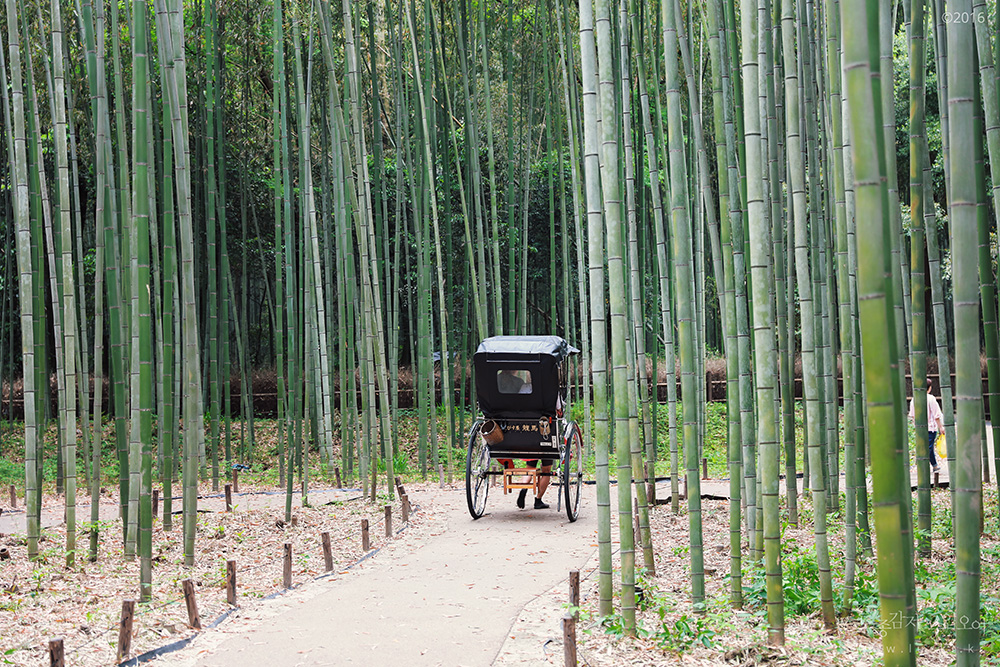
[613, 624]
[799, 582]
[679, 635]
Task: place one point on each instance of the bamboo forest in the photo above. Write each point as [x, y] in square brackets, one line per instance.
[258, 242]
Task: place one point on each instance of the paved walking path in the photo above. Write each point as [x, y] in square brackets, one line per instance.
[450, 591]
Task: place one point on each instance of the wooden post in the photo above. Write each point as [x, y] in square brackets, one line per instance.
[365, 543]
[125, 630]
[574, 591]
[56, 658]
[287, 573]
[569, 640]
[229, 498]
[13, 496]
[704, 468]
[336, 471]
[399, 487]
[937, 480]
[236, 480]
[441, 475]
[194, 619]
[295, 520]
[231, 582]
[388, 520]
[327, 553]
[156, 503]
[404, 501]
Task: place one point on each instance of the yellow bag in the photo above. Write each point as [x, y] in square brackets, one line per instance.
[941, 448]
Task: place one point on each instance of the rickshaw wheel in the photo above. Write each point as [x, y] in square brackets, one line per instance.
[572, 471]
[477, 463]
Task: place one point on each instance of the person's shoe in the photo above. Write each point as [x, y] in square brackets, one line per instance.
[936, 469]
[540, 505]
[520, 498]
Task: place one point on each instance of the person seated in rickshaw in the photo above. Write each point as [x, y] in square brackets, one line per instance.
[510, 381]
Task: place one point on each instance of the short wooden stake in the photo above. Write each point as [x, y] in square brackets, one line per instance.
[231, 582]
[194, 619]
[327, 553]
[156, 504]
[287, 573]
[704, 468]
[388, 520]
[13, 496]
[56, 658]
[441, 475]
[295, 520]
[937, 480]
[569, 640]
[574, 592]
[125, 630]
[365, 542]
[404, 501]
[399, 487]
[336, 471]
[236, 481]
[229, 498]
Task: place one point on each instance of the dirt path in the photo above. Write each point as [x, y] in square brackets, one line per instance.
[449, 591]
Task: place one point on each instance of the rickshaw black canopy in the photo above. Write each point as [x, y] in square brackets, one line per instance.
[537, 360]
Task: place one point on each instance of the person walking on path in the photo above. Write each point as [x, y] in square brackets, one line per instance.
[935, 424]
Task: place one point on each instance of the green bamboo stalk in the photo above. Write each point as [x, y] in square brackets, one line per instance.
[101, 218]
[878, 340]
[497, 295]
[19, 170]
[639, 432]
[171, 30]
[962, 210]
[802, 274]
[168, 436]
[766, 363]
[612, 197]
[68, 285]
[212, 245]
[991, 109]
[573, 132]
[685, 317]
[918, 339]
[598, 322]
[142, 409]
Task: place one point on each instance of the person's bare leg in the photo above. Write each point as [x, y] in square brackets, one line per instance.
[524, 492]
[543, 481]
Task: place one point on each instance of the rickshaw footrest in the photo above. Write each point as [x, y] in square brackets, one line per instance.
[509, 482]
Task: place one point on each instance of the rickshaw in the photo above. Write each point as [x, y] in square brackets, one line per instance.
[521, 392]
